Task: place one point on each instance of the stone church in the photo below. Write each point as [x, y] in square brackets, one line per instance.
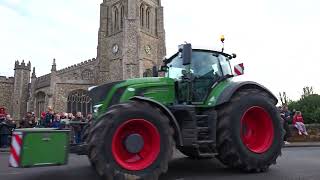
[131, 40]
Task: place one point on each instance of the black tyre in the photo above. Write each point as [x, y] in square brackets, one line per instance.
[250, 133]
[132, 141]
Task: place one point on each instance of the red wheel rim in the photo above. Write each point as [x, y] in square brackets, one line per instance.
[149, 152]
[257, 130]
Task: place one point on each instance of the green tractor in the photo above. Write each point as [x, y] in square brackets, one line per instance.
[195, 108]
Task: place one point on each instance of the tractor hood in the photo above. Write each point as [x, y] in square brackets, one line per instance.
[120, 91]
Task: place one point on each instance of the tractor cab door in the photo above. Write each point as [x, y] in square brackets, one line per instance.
[194, 82]
[205, 69]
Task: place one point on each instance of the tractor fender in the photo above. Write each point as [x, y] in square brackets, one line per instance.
[230, 90]
[168, 113]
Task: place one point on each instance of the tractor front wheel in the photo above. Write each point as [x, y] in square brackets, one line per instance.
[132, 141]
[250, 133]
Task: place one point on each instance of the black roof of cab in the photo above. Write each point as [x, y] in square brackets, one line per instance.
[200, 50]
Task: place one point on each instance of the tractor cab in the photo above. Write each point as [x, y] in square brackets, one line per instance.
[196, 72]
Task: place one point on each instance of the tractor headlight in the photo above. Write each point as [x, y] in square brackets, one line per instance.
[96, 108]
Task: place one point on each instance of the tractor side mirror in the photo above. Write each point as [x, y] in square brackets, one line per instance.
[154, 71]
[239, 69]
[187, 54]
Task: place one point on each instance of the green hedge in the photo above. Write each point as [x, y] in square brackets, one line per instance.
[309, 106]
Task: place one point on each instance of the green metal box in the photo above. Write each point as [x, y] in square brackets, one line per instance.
[39, 147]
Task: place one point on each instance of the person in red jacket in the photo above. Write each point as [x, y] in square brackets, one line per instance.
[298, 122]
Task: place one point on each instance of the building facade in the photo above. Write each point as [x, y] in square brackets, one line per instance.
[131, 40]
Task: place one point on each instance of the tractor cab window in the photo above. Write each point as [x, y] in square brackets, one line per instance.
[175, 68]
[206, 68]
[225, 65]
[204, 65]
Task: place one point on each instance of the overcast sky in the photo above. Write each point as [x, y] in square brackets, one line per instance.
[278, 40]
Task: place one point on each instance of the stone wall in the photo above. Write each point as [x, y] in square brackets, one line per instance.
[62, 91]
[6, 89]
[313, 131]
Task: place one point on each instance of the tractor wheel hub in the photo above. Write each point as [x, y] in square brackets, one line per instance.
[134, 143]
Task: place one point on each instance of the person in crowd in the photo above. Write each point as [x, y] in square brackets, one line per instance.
[48, 119]
[89, 118]
[285, 115]
[6, 128]
[77, 127]
[2, 136]
[298, 122]
[28, 121]
[71, 116]
[56, 123]
[65, 120]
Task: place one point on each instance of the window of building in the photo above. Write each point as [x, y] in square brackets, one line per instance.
[40, 103]
[122, 16]
[79, 101]
[142, 15]
[115, 19]
[148, 18]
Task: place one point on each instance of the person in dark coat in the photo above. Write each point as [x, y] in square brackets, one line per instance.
[56, 121]
[77, 128]
[6, 128]
[49, 117]
[285, 115]
[28, 121]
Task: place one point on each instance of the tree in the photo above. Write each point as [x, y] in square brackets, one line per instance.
[307, 91]
[283, 98]
[309, 106]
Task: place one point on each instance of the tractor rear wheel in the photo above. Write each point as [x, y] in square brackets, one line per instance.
[250, 133]
[132, 141]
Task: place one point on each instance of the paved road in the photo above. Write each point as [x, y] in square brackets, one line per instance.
[295, 164]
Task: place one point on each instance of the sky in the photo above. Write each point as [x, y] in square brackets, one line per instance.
[277, 40]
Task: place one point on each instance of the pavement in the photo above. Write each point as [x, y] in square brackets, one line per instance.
[296, 163]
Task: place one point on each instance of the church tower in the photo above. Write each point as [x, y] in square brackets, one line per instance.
[131, 38]
[20, 89]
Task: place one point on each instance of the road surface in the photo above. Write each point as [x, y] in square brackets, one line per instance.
[294, 164]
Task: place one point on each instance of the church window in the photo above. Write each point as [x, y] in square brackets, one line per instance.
[79, 101]
[122, 17]
[40, 103]
[115, 19]
[142, 15]
[148, 18]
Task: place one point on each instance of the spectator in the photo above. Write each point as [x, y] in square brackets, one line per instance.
[89, 118]
[77, 127]
[28, 121]
[48, 119]
[285, 115]
[6, 128]
[56, 121]
[64, 120]
[298, 122]
[71, 116]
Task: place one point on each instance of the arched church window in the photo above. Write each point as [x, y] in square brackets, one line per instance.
[148, 18]
[142, 15]
[40, 103]
[115, 19]
[79, 101]
[121, 16]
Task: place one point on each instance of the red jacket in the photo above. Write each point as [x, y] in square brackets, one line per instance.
[297, 118]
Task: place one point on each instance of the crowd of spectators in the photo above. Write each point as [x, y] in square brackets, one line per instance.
[49, 119]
